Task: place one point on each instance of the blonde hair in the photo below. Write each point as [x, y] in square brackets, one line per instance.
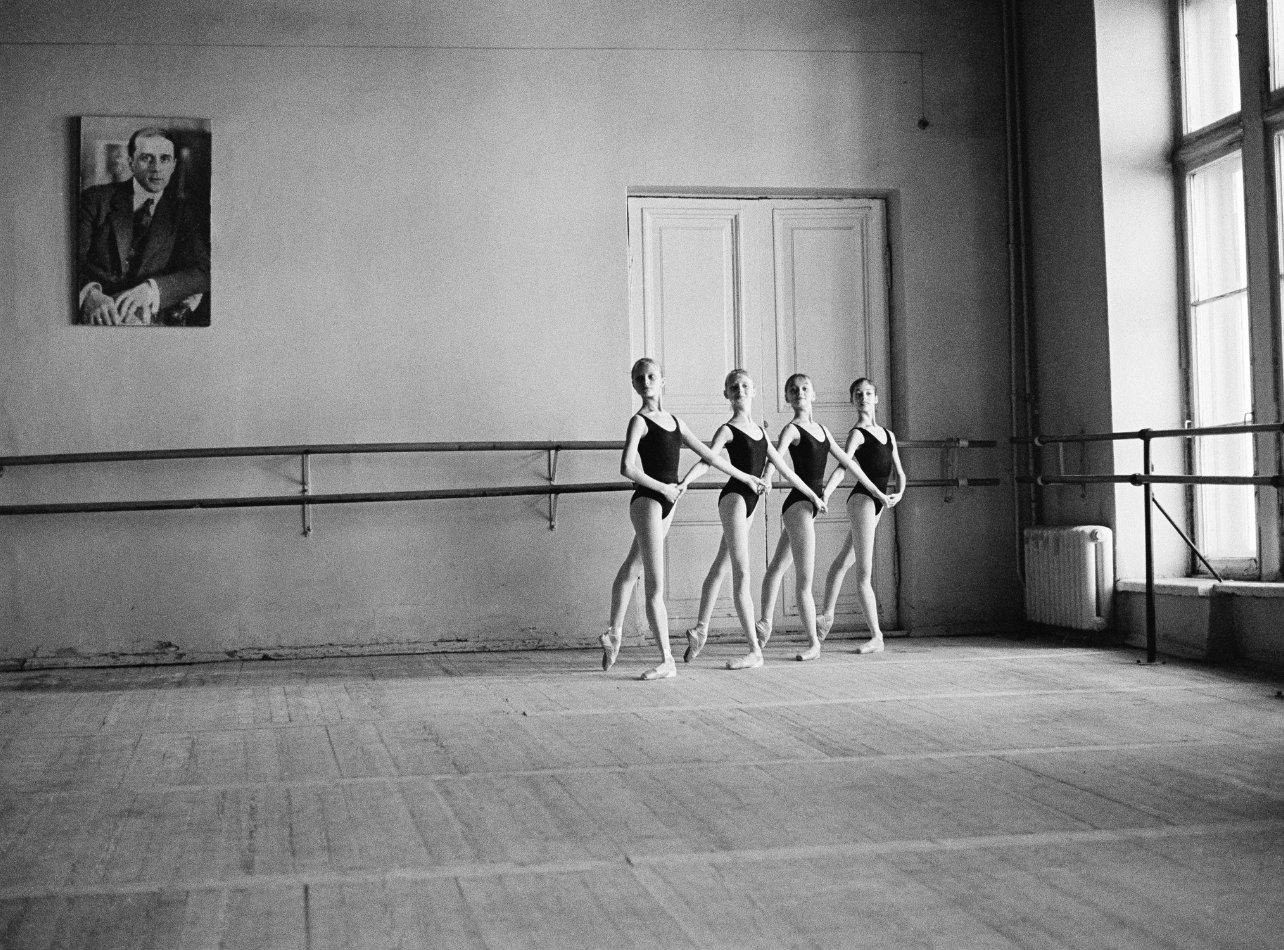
[734, 375]
[794, 380]
[649, 361]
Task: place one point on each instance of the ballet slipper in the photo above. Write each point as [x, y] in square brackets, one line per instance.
[873, 646]
[763, 628]
[665, 671]
[696, 637]
[824, 623]
[810, 653]
[610, 648]
[750, 661]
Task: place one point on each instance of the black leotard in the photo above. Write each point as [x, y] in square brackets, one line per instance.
[658, 451]
[808, 455]
[875, 460]
[748, 455]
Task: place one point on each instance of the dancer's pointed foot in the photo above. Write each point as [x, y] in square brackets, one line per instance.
[665, 671]
[811, 652]
[750, 661]
[610, 648]
[696, 637]
[824, 622]
[763, 629]
[873, 646]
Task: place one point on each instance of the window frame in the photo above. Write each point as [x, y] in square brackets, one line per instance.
[1252, 132]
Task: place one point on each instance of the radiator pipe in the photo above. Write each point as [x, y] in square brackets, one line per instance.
[1022, 403]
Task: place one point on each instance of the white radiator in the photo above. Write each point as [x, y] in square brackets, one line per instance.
[1069, 576]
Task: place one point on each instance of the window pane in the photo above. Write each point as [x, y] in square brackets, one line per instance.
[1223, 396]
[1210, 64]
[1279, 198]
[1277, 43]
[1221, 367]
[1216, 203]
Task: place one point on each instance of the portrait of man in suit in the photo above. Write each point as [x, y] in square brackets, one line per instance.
[143, 253]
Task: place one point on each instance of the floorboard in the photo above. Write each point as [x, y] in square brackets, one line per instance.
[953, 793]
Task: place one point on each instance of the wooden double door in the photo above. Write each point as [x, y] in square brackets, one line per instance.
[776, 286]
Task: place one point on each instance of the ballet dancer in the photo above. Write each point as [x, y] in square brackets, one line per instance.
[808, 449]
[751, 451]
[652, 444]
[874, 448]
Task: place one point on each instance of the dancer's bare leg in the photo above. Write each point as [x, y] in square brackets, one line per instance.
[800, 527]
[860, 510]
[834, 585]
[697, 635]
[735, 526]
[771, 580]
[621, 593]
[650, 530]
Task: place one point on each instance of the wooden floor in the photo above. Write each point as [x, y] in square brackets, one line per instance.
[953, 793]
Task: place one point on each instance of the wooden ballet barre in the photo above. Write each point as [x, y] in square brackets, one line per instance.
[345, 498]
[305, 498]
[1249, 428]
[356, 448]
[371, 448]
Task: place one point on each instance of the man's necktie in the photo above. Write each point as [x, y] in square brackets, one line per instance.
[142, 221]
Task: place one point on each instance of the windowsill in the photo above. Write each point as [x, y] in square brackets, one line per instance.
[1203, 587]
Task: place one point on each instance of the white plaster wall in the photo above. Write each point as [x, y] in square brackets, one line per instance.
[1103, 234]
[1069, 301]
[1134, 55]
[419, 234]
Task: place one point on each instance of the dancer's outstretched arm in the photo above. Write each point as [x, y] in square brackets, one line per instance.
[854, 439]
[778, 460]
[901, 482]
[853, 466]
[717, 461]
[631, 462]
[720, 439]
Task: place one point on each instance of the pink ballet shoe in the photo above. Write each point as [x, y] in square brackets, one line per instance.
[824, 623]
[665, 671]
[763, 629]
[696, 638]
[610, 649]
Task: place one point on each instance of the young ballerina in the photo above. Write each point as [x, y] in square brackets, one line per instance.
[750, 451]
[874, 448]
[809, 445]
[652, 443]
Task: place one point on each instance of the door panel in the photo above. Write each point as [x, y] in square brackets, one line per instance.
[831, 323]
[691, 320]
[830, 293]
[774, 286]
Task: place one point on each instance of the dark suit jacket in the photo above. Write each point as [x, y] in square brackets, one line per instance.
[176, 254]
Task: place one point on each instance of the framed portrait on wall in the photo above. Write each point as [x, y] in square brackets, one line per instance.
[143, 222]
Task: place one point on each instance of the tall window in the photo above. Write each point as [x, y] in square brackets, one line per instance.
[1210, 62]
[1275, 118]
[1221, 364]
[1224, 47]
[1276, 13]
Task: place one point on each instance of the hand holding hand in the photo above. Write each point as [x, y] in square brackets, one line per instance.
[136, 305]
[894, 498]
[99, 310]
[822, 505]
[672, 492]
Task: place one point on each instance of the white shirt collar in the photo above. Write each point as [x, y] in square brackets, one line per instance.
[141, 195]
